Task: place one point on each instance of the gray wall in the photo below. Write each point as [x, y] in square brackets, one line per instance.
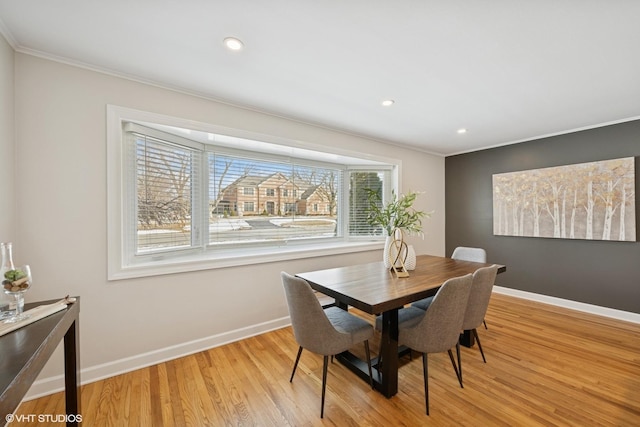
[594, 272]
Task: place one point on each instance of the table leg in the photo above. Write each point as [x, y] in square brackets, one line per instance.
[389, 353]
[72, 373]
[466, 338]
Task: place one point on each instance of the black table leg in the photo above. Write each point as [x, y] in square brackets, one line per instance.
[342, 305]
[389, 354]
[466, 338]
[72, 374]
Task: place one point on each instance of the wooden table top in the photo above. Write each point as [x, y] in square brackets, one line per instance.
[374, 289]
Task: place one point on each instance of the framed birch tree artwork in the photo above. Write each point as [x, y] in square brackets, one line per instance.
[593, 201]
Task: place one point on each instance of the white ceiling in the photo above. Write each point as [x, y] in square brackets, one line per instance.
[506, 70]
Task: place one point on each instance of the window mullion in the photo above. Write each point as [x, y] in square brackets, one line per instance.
[343, 203]
[200, 201]
[130, 200]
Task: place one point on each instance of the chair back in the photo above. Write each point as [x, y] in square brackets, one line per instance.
[311, 327]
[464, 253]
[439, 329]
[483, 280]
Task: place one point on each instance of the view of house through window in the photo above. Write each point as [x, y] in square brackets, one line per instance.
[258, 200]
[194, 194]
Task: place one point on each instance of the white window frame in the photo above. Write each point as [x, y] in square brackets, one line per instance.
[121, 268]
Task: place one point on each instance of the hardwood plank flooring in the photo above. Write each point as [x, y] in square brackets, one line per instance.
[546, 366]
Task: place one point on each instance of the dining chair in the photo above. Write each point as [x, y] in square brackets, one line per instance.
[462, 253]
[469, 254]
[322, 331]
[437, 329]
[483, 280]
[466, 253]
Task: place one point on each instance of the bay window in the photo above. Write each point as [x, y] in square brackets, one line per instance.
[193, 197]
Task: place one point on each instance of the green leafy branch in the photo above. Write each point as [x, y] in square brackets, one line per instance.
[398, 213]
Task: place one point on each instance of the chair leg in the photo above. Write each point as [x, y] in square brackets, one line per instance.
[425, 371]
[485, 323]
[459, 362]
[324, 383]
[455, 368]
[368, 353]
[475, 334]
[295, 365]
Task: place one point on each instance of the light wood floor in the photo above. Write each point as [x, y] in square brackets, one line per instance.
[545, 366]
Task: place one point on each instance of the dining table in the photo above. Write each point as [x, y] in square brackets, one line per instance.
[377, 290]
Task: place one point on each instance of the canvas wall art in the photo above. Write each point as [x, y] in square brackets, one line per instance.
[593, 201]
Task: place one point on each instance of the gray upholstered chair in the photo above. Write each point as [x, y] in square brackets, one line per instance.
[322, 331]
[437, 329]
[465, 253]
[462, 253]
[469, 254]
[483, 281]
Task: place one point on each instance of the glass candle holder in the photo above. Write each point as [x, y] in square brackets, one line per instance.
[15, 283]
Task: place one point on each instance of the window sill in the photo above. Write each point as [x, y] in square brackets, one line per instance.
[205, 262]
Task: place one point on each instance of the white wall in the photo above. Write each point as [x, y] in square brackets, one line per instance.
[7, 143]
[7, 149]
[61, 225]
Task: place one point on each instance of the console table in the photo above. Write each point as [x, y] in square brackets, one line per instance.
[25, 351]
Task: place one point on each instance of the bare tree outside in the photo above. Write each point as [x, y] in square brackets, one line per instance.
[222, 169]
[163, 195]
[325, 181]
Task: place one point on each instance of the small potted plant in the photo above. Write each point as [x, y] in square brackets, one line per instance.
[396, 217]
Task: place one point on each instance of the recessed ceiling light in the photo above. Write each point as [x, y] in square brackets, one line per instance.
[388, 102]
[233, 43]
[461, 131]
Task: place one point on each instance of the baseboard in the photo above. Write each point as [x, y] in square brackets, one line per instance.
[46, 386]
[574, 305]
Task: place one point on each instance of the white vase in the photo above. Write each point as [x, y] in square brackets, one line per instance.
[385, 252]
[410, 263]
[391, 252]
